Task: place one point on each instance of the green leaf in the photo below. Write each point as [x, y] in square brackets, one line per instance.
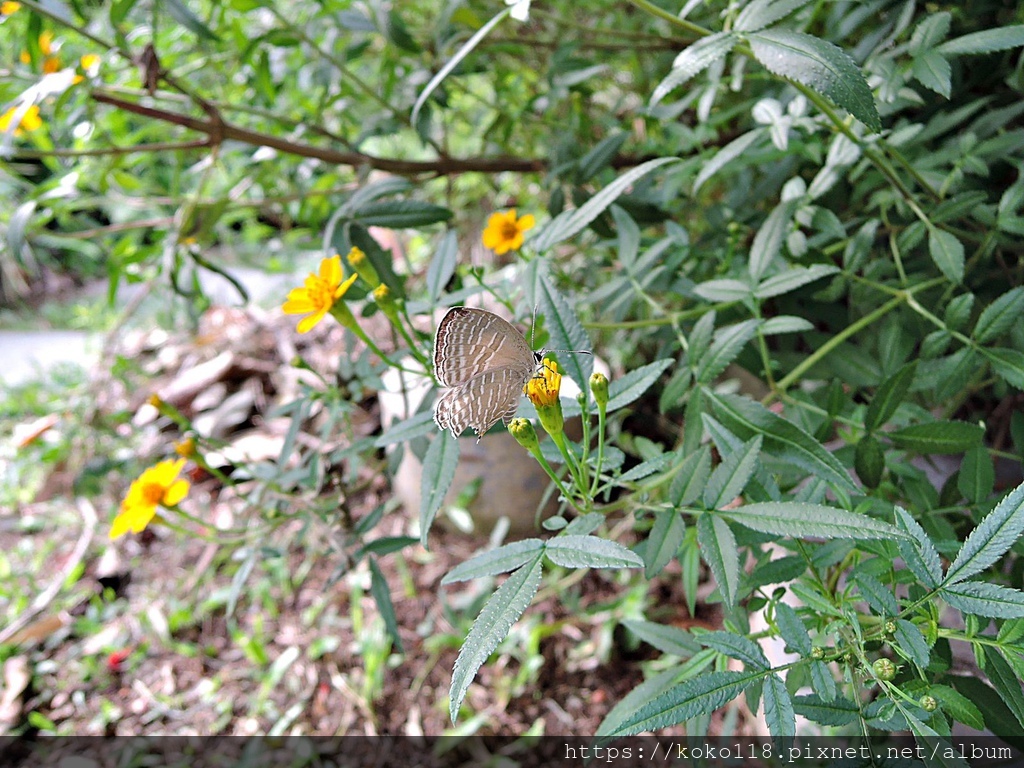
[565, 329]
[601, 155]
[983, 599]
[959, 706]
[958, 312]
[794, 278]
[879, 597]
[800, 519]
[724, 289]
[622, 392]
[999, 316]
[933, 72]
[400, 214]
[647, 468]
[917, 550]
[761, 13]
[688, 484]
[822, 681]
[835, 712]
[663, 541]
[442, 266]
[1008, 363]
[769, 238]
[666, 639]
[736, 647]
[727, 344]
[869, 461]
[699, 696]
[947, 252]
[415, 426]
[929, 32]
[731, 476]
[913, 643]
[385, 545]
[694, 60]
[938, 437]
[718, 549]
[501, 560]
[792, 629]
[785, 324]
[181, 14]
[889, 396]
[744, 417]
[819, 65]
[452, 63]
[503, 608]
[778, 707]
[439, 465]
[382, 597]
[568, 223]
[1005, 682]
[725, 155]
[986, 41]
[977, 476]
[637, 698]
[991, 539]
[590, 552]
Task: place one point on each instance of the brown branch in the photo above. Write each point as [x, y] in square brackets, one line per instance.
[228, 131]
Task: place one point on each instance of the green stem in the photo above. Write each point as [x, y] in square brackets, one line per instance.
[601, 413]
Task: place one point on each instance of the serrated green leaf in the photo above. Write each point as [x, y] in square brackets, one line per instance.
[731, 476]
[569, 223]
[890, 394]
[778, 707]
[601, 155]
[439, 465]
[382, 597]
[820, 66]
[663, 541]
[503, 609]
[648, 468]
[837, 712]
[769, 238]
[959, 706]
[785, 324]
[724, 289]
[917, 550]
[622, 392]
[947, 252]
[938, 437]
[977, 476]
[1005, 682]
[415, 426]
[932, 71]
[442, 266]
[725, 155]
[565, 329]
[822, 682]
[736, 647]
[718, 549]
[991, 539]
[791, 279]
[913, 643]
[879, 597]
[1008, 363]
[501, 560]
[986, 41]
[869, 461]
[690, 479]
[800, 519]
[636, 699]
[590, 552]
[728, 342]
[699, 696]
[958, 311]
[666, 639]
[999, 316]
[762, 13]
[980, 598]
[792, 629]
[744, 417]
[929, 32]
[694, 60]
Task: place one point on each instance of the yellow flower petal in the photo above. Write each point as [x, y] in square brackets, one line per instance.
[526, 222]
[307, 323]
[330, 270]
[341, 289]
[298, 306]
[8, 7]
[176, 492]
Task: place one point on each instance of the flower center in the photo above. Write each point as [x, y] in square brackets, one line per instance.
[509, 230]
[321, 293]
[152, 493]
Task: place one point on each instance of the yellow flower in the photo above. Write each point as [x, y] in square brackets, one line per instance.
[504, 231]
[8, 7]
[157, 486]
[89, 61]
[30, 121]
[46, 43]
[51, 64]
[543, 388]
[319, 293]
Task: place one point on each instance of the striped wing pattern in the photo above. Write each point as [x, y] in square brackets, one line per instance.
[484, 363]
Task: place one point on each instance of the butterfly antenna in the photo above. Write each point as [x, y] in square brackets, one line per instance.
[533, 329]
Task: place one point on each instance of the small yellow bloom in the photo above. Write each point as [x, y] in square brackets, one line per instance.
[319, 294]
[25, 58]
[504, 231]
[30, 121]
[46, 43]
[157, 486]
[8, 7]
[51, 64]
[543, 388]
[358, 261]
[89, 61]
[185, 448]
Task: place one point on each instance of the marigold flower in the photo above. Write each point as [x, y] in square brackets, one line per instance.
[51, 64]
[157, 486]
[8, 7]
[504, 231]
[543, 390]
[319, 294]
[30, 121]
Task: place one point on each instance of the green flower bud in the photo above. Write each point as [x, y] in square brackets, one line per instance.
[362, 266]
[928, 703]
[885, 669]
[599, 386]
[524, 433]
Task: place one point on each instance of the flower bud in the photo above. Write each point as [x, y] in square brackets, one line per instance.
[524, 433]
[362, 266]
[885, 669]
[599, 386]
